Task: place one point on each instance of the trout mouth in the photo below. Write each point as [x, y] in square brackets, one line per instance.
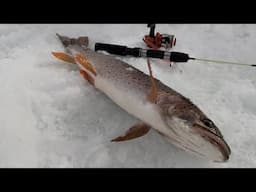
[216, 140]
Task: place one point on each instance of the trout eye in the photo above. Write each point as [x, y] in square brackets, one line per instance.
[208, 123]
[213, 128]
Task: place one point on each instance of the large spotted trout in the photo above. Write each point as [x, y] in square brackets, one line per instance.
[156, 105]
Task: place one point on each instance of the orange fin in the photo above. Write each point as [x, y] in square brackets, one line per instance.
[87, 77]
[64, 57]
[85, 63]
[153, 91]
[135, 131]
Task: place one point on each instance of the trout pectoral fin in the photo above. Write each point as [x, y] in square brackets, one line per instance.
[85, 63]
[152, 96]
[64, 57]
[138, 130]
[87, 77]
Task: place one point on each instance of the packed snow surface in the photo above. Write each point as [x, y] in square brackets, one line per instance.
[51, 117]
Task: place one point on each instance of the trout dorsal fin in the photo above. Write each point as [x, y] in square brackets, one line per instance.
[153, 91]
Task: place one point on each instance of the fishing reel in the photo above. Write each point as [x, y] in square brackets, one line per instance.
[156, 41]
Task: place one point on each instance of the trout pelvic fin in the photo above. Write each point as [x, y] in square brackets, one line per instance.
[64, 57]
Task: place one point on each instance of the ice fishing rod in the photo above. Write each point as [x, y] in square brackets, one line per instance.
[150, 53]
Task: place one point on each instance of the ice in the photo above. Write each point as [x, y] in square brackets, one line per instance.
[51, 117]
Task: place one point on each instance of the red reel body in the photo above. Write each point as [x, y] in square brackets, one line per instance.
[159, 40]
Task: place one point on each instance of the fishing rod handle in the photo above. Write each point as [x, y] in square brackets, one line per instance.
[171, 56]
[117, 49]
[138, 52]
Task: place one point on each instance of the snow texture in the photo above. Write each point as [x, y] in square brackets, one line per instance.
[51, 117]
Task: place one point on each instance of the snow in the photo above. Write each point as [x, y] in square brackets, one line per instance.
[51, 117]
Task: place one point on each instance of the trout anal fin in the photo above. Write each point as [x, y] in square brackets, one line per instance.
[152, 96]
[138, 130]
[85, 63]
[87, 77]
[64, 57]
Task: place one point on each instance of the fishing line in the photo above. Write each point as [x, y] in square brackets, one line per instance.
[223, 62]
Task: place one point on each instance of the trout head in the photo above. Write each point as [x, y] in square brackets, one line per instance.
[191, 129]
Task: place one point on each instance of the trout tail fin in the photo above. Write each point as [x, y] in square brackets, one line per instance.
[66, 41]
